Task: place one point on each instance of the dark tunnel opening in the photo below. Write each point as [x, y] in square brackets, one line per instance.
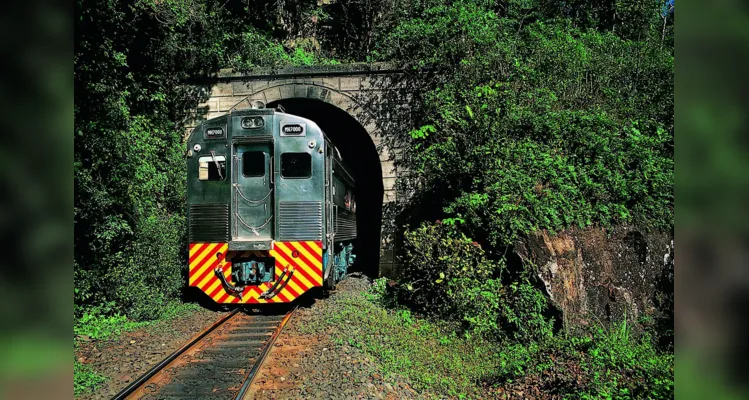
[360, 153]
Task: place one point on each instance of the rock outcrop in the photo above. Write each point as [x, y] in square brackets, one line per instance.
[596, 275]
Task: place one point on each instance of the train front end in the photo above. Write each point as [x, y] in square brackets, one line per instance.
[256, 184]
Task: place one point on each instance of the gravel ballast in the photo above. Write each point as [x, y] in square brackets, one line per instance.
[309, 360]
[304, 365]
[131, 354]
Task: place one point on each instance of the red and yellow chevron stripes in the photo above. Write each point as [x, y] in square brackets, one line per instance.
[304, 257]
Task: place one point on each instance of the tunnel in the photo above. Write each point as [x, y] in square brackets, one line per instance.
[359, 152]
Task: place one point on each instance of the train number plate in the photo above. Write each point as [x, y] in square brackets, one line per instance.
[214, 133]
[293, 130]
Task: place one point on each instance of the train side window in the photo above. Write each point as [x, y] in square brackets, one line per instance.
[296, 165]
[208, 170]
[253, 163]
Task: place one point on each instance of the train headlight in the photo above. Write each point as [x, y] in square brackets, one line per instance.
[252, 122]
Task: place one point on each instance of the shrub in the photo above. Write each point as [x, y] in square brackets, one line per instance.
[597, 364]
[448, 275]
[151, 277]
[624, 365]
[441, 265]
[381, 292]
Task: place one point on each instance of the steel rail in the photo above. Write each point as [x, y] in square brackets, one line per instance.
[259, 362]
[161, 365]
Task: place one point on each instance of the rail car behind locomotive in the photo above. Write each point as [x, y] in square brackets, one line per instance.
[271, 209]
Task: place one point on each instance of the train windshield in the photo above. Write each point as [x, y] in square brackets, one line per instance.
[253, 163]
[212, 168]
[296, 165]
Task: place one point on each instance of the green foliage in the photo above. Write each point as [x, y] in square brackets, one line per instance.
[378, 291]
[256, 50]
[85, 379]
[441, 362]
[446, 274]
[100, 323]
[532, 115]
[131, 63]
[603, 364]
[134, 248]
[437, 260]
[130, 59]
[525, 115]
[551, 142]
[431, 355]
[536, 116]
[97, 326]
[523, 309]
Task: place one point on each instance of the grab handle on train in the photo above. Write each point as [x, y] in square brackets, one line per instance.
[271, 170]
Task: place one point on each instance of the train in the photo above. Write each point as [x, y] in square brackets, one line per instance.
[271, 208]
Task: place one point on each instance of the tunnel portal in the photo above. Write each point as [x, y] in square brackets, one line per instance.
[340, 99]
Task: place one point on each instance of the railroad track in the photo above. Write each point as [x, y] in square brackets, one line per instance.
[218, 363]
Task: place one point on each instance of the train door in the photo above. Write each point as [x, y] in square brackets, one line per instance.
[252, 192]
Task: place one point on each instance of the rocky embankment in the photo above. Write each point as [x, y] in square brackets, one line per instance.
[597, 275]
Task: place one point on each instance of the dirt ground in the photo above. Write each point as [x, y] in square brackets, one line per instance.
[130, 355]
[304, 366]
[299, 366]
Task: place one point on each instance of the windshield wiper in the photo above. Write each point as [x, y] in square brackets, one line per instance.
[218, 167]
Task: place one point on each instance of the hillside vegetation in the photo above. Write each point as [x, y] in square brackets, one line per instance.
[526, 115]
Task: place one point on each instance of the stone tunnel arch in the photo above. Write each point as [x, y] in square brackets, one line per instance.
[340, 117]
[338, 98]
